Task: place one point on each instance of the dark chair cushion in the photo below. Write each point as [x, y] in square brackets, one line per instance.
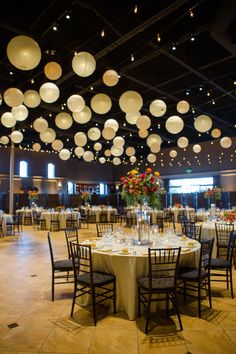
[219, 263]
[187, 273]
[158, 284]
[64, 264]
[98, 278]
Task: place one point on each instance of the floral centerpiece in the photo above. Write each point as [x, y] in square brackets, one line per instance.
[213, 193]
[86, 196]
[33, 195]
[60, 208]
[229, 216]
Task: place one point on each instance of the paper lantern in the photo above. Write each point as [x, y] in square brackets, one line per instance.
[117, 151]
[80, 139]
[133, 117]
[151, 158]
[132, 159]
[182, 107]
[174, 124]
[36, 147]
[143, 122]
[83, 64]
[49, 92]
[23, 52]
[82, 117]
[130, 151]
[76, 103]
[155, 148]
[57, 145]
[143, 133]
[102, 159]
[111, 123]
[216, 133]
[110, 78]
[119, 141]
[63, 120]
[79, 151]
[52, 70]
[64, 154]
[101, 103]
[116, 161]
[182, 142]
[173, 153]
[13, 97]
[108, 133]
[20, 113]
[32, 98]
[130, 101]
[40, 124]
[97, 146]
[107, 153]
[4, 140]
[94, 133]
[157, 108]
[48, 135]
[203, 123]
[88, 156]
[197, 148]
[16, 137]
[154, 138]
[225, 142]
[8, 120]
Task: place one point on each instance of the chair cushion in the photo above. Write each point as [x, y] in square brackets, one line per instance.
[98, 278]
[158, 284]
[187, 273]
[219, 263]
[64, 264]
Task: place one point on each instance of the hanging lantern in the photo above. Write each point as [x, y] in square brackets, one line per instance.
[80, 139]
[16, 137]
[155, 148]
[4, 140]
[88, 156]
[63, 120]
[216, 133]
[36, 147]
[76, 103]
[143, 122]
[117, 151]
[130, 151]
[8, 120]
[133, 117]
[173, 153]
[182, 107]
[32, 98]
[111, 123]
[49, 92]
[143, 133]
[154, 138]
[102, 159]
[20, 113]
[101, 103]
[174, 124]
[64, 154]
[13, 97]
[151, 158]
[203, 123]
[52, 70]
[119, 141]
[48, 135]
[82, 117]
[83, 64]
[157, 108]
[182, 142]
[110, 78]
[97, 146]
[107, 152]
[79, 151]
[197, 148]
[116, 161]
[130, 101]
[94, 133]
[225, 142]
[57, 145]
[40, 124]
[108, 133]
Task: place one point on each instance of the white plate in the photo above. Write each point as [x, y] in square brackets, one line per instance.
[124, 253]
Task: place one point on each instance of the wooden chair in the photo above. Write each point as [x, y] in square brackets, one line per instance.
[55, 223]
[191, 230]
[101, 228]
[222, 238]
[71, 235]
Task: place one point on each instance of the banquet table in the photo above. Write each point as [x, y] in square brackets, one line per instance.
[97, 211]
[5, 219]
[24, 213]
[63, 216]
[176, 211]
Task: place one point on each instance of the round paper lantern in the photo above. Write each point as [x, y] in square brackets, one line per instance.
[216, 133]
[111, 123]
[48, 135]
[97, 146]
[154, 138]
[32, 98]
[117, 151]
[119, 141]
[52, 70]
[57, 145]
[8, 120]
[225, 142]
[79, 151]
[83, 64]
[82, 117]
[102, 159]
[151, 158]
[64, 154]
[157, 108]
[101, 103]
[13, 97]
[182, 107]
[110, 78]
[173, 153]
[132, 159]
[94, 133]
[130, 101]
[76, 103]
[143, 133]
[63, 120]
[40, 124]
[155, 148]
[20, 113]
[197, 148]
[182, 142]
[80, 139]
[36, 147]
[16, 137]
[133, 117]
[174, 124]
[108, 133]
[23, 52]
[107, 153]
[203, 123]
[4, 140]
[143, 122]
[130, 151]
[49, 92]
[116, 161]
[88, 156]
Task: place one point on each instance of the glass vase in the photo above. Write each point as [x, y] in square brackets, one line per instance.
[143, 227]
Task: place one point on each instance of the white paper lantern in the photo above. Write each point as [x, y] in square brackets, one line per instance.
[182, 107]
[116, 161]
[83, 64]
[119, 141]
[64, 154]
[4, 140]
[97, 146]
[49, 92]
[197, 148]
[117, 151]
[108, 133]
[132, 159]
[52, 70]
[130, 151]
[174, 124]
[111, 123]
[79, 151]
[40, 124]
[13, 97]
[88, 156]
[94, 133]
[110, 78]
[133, 117]
[23, 52]
[16, 137]
[48, 135]
[20, 113]
[225, 142]
[143, 122]
[143, 133]
[82, 117]
[130, 101]
[8, 120]
[157, 108]
[32, 98]
[80, 139]
[101, 103]
[182, 142]
[151, 158]
[155, 148]
[203, 123]
[216, 133]
[63, 120]
[173, 153]
[102, 159]
[36, 147]
[154, 138]
[107, 152]
[76, 103]
[57, 145]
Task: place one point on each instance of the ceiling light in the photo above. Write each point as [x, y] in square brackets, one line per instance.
[200, 88]
[173, 46]
[132, 57]
[213, 102]
[191, 14]
[158, 37]
[192, 38]
[67, 16]
[187, 92]
[54, 27]
[208, 93]
[32, 80]
[102, 33]
[135, 9]
[11, 73]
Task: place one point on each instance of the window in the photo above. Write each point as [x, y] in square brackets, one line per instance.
[23, 169]
[70, 187]
[190, 185]
[103, 188]
[51, 170]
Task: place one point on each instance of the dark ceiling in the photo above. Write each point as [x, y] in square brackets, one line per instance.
[201, 71]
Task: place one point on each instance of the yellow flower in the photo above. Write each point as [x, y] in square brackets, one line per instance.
[157, 174]
[134, 172]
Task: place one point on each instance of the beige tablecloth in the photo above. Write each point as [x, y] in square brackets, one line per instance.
[176, 211]
[63, 216]
[98, 211]
[5, 219]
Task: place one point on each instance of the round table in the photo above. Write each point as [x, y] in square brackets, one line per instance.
[5, 219]
[63, 216]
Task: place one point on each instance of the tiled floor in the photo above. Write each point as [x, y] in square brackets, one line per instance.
[38, 325]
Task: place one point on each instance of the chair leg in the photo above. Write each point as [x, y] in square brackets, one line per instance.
[184, 291]
[73, 301]
[199, 300]
[167, 304]
[227, 279]
[139, 305]
[148, 311]
[209, 292]
[94, 307]
[53, 286]
[176, 305]
[231, 284]
[114, 294]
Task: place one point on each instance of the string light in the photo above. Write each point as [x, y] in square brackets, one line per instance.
[32, 80]
[208, 93]
[11, 73]
[68, 16]
[54, 27]
[192, 38]
[191, 13]
[174, 46]
[102, 33]
[132, 57]
[213, 102]
[136, 9]
[158, 37]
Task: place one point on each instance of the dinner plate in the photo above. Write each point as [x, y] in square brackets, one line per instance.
[105, 250]
[124, 253]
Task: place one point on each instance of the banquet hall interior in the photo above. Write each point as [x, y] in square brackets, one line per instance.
[118, 152]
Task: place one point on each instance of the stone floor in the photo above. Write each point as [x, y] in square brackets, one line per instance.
[31, 323]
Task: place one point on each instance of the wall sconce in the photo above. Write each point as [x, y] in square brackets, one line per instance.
[59, 186]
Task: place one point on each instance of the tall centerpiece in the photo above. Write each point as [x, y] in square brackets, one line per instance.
[33, 196]
[212, 194]
[86, 197]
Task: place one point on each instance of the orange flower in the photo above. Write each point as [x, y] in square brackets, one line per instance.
[148, 170]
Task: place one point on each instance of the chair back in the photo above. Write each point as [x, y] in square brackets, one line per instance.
[191, 230]
[160, 223]
[50, 249]
[169, 220]
[231, 247]
[222, 238]
[82, 260]
[71, 235]
[54, 217]
[205, 256]
[101, 228]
